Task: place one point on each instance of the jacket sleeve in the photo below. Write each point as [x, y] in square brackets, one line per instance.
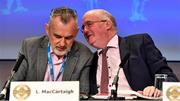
[155, 61]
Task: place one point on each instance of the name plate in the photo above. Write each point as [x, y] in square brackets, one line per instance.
[171, 91]
[45, 91]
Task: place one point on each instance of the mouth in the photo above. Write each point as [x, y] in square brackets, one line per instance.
[60, 48]
[88, 36]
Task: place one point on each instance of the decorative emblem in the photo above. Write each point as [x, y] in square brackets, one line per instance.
[21, 92]
[173, 93]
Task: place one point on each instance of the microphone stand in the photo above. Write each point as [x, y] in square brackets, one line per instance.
[114, 87]
[4, 91]
[7, 84]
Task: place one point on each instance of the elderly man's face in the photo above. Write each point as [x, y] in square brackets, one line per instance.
[61, 35]
[94, 30]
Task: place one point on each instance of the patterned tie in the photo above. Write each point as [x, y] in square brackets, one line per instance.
[104, 73]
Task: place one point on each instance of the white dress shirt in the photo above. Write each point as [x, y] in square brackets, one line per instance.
[113, 61]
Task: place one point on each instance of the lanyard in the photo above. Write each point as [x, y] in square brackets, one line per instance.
[51, 65]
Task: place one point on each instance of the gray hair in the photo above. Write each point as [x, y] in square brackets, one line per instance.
[108, 15]
[64, 13]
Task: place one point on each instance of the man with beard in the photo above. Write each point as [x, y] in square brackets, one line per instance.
[56, 56]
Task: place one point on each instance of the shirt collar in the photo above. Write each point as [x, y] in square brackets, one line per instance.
[113, 43]
[55, 58]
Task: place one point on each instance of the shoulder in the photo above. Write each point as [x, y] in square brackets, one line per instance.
[144, 37]
[31, 45]
[37, 40]
[84, 49]
[138, 36]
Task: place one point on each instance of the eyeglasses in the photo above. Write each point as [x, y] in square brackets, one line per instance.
[88, 24]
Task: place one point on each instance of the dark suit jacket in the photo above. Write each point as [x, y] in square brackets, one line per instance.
[34, 65]
[144, 62]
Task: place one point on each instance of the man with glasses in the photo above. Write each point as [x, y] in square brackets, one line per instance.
[57, 56]
[134, 59]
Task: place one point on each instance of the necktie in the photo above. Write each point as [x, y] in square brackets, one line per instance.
[104, 73]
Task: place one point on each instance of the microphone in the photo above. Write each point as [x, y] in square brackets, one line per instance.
[18, 63]
[114, 86]
[14, 70]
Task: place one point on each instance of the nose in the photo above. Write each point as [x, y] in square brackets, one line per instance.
[85, 30]
[62, 42]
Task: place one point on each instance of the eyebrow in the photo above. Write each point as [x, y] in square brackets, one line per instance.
[69, 36]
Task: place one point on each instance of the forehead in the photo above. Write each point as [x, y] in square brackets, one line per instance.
[61, 28]
[91, 16]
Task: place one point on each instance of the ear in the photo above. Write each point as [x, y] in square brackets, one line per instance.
[47, 28]
[108, 24]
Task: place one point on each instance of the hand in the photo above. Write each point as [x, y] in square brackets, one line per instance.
[151, 91]
[83, 96]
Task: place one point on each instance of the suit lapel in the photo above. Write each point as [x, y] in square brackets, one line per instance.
[71, 62]
[124, 49]
[42, 60]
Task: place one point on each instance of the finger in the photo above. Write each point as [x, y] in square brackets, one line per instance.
[157, 93]
[140, 92]
[149, 91]
[146, 91]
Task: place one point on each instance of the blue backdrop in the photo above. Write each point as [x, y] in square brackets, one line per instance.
[20, 19]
